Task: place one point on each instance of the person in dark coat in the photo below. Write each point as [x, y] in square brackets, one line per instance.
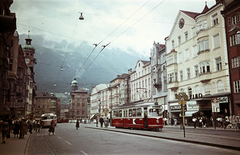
[101, 121]
[77, 125]
[16, 129]
[5, 129]
[51, 128]
[10, 127]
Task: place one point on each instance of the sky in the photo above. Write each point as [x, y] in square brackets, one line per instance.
[125, 24]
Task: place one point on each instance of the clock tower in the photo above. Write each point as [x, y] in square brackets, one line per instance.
[29, 52]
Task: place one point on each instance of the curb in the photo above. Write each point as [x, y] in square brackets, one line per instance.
[27, 145]
[175, 139]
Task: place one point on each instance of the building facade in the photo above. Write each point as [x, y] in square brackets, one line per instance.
[45, 103]
[231, 14]
[197, 61]
[7, 29]
[78, 102]
[159, 75]
[140, 81]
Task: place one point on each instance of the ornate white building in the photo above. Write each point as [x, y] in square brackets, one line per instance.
[141, 82]
[159, 75]
[197, 62]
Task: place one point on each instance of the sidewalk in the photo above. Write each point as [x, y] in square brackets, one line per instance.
[14, 146]
[203, 128]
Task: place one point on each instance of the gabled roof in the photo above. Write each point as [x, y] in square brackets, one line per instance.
[190, 14]
[205, 9]
[44, 94]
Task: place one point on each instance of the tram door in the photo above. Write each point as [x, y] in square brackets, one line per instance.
[145, 118]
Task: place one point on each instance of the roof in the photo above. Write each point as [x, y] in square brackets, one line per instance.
[190, 14]
[123, 76]
[44, 94]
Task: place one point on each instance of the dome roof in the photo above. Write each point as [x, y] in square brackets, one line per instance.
[74, 81]
[28, 48]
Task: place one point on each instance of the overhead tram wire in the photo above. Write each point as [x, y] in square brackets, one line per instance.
[104, 46]
[67, 51]
[109, 35]
[123, 31]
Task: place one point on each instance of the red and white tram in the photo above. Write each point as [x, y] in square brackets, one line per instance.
[145, 115]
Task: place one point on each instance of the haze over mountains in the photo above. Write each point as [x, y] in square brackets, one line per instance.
[52, 55]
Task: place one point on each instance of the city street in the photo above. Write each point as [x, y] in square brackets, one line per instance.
[88, 140]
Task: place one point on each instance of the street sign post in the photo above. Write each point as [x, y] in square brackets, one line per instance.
[215, 109]
[182, 97]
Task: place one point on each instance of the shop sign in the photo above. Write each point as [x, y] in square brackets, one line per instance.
[195, 96]
[192, 106]
[176, 108]
[223, 99]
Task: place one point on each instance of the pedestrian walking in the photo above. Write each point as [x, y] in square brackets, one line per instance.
[16, 129]
[106, 122]
[30, 123]
[23, 128]
[51, 128]
[38, 126]
[101, 121]
[5, 130]
[96, 122]
[77, 124]
[194, 121]
[10, 127]
[237, 124]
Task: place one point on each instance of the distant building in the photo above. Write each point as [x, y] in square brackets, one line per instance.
[159, 76]
[45, 103]
[140, 79]
[231, 14]
[78, 102]
[64, 111]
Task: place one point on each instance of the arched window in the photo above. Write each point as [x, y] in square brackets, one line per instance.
[189, 91]
[207, 88]
[197, 89]
[220, 86]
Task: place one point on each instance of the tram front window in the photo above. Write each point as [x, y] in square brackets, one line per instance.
[154, 112]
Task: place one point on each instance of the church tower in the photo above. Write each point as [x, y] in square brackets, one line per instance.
[29, 52]
[74, 85]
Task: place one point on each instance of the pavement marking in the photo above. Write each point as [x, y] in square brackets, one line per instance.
[68, 142]
[83, 152]
[59, 137]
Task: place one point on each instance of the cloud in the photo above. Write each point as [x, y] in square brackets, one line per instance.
[58, 20]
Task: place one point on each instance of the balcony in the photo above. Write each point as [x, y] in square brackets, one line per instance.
[205, 77]
[173, 85]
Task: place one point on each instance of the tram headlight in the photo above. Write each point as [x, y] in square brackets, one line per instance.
[157, 121]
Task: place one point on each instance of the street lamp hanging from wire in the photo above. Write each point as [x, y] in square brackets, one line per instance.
[81, 17]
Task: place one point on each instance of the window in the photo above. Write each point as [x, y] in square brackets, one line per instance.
[202, 25]
[170, 77]
[203, 45]
[175, 77]
[170, 60]
[234, 19]
[181, 75]
[216, 41]
[220, 86]
[214, 19]
[179, 40]
[236, 86]
[172, 44]
[204, 67]
[186, 36]
[188, 73]
[196, 71]
[194, 32]
[186, 54]
[207, 88]
[235, 39]
[219, 64]
[180, 57]
[194, 49]
[236, 62]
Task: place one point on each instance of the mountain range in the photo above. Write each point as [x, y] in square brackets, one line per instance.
[59, 62]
